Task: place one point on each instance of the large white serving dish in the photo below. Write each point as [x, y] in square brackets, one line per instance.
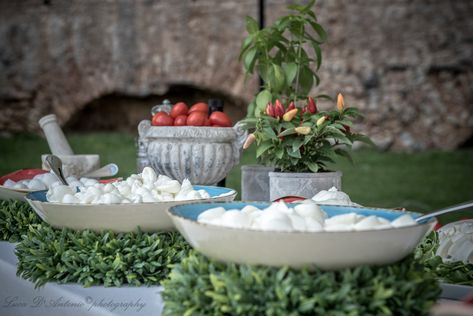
[149, 217]
[327, 250]
[13, 194]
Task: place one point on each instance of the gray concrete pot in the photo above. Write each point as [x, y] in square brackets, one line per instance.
[255, 182]
[204, 155]
[306, 185]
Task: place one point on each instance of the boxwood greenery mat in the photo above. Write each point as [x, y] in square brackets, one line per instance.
[15, 216]
[199, 286]
[46, 254]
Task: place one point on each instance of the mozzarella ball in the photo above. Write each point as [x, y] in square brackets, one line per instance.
[277, 224]
[211, 213]
[172, 186]
[149, 175]
[57, 193]
[47, 178]
[204, 194]
[311, 210]
[110, 198]
[70, 199]
[36, 185]
[404, 220]
[235, 218]
[343, 219]
[367, 223]
[298, 222]
[313, 225]
[19, 185]
[9, 183]
[193, 195]
[248, 209]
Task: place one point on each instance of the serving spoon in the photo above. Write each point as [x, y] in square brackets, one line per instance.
[106, 171]
[55, 164]
[446, 210]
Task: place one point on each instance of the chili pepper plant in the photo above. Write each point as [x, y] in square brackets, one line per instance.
[303, 139]
[290, 132]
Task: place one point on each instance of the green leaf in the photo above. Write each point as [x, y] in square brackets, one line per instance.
[293, 153]
[276, 78]
[320, 31]
[250, 110]
[270, 133]
[297, 144]
[362, 138]
[290, 69]
[262, 99]
[245, 45]
[287, 132]
[306, 80]
[263, 147]
[318, 54]
[251, 25]
[279, 153]
[314, 167]
[249, 59]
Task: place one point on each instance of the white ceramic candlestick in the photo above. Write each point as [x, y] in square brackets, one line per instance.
[56, 140]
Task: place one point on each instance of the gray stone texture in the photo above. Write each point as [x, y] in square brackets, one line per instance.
[406, 64]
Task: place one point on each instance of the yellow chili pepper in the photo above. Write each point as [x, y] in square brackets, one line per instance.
[321, 120]
[302, 130]
[249, 140]
[340, 102]
[289, 115]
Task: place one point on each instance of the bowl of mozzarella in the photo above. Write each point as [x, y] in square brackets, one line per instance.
[138, 202]
[299, 235]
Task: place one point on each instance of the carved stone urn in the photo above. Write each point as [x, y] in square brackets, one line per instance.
[204, 155]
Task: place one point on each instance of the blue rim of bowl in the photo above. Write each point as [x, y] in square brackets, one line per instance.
[171, 213]
[231, 192]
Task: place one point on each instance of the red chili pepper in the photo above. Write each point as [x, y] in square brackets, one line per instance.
[303, 110]
[278, 109]
[270, 109]
[290, 107]
[312, 107]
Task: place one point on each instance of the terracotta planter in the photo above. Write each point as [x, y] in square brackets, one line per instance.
[306, 185]
[255, 183]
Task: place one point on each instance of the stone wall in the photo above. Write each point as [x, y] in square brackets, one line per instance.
[406, 63]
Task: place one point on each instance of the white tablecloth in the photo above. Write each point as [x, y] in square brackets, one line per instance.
[19, 297]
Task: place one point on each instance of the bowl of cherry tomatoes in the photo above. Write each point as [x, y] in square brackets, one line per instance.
[188, 142]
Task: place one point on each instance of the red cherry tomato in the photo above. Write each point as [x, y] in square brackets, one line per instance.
[207, 122]
[162, 119]
[181, 120]
[196, 119]
[179, 108]
[200, 107]
[220, 118]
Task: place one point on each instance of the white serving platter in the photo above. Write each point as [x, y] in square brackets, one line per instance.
[149, 217]
[327, 250]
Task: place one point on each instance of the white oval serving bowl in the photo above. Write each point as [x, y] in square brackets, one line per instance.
[327, 250]
[13, 194]
[149, 217]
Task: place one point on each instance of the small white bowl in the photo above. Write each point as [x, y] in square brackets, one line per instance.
[327, 250]
[149, 217]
